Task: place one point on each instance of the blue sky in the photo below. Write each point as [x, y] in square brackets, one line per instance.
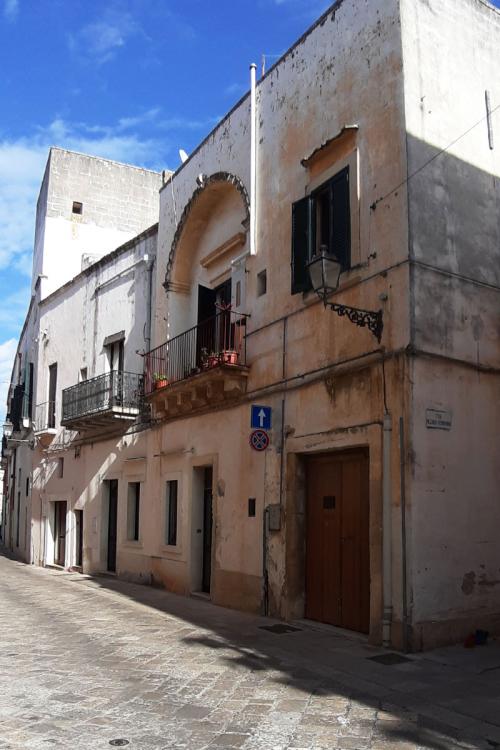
[132, 80]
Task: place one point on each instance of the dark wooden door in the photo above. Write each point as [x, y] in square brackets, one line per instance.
[337, 540]
[205, 333]
[223, 295]
[112, 523]
[60, 533]
[207, 530]
[79, 537]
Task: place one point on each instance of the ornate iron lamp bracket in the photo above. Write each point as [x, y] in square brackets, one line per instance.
[363, 318]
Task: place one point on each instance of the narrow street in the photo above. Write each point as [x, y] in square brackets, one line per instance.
[86, 662]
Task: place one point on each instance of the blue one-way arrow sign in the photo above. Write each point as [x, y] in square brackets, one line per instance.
[260, 417]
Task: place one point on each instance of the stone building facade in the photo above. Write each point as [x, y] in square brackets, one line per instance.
[374, 506]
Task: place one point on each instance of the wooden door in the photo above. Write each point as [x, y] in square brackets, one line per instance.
[60, 533]
[205, 338]
[112, 523]
[207, 530]
[79, 537]
[337, 540]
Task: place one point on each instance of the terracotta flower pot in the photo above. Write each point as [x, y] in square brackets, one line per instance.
[230, 357]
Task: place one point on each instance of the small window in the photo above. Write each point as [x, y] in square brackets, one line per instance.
[238, 293]
[77, 208]
[83, 374]
[60, 468]
[171, 514]
[321, 218]
[261, 283]
[133, 511]
[27, 486]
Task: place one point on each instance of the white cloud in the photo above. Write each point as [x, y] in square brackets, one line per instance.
[236, 89]
[99, 41]
[13, 309]
[11, 9]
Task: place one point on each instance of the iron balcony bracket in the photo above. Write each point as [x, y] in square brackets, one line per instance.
[363, 318]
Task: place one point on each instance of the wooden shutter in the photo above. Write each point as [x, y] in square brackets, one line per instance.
[16, 407]
[340, 242]
[301, 242]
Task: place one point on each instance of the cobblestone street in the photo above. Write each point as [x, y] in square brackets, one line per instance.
[87, 661]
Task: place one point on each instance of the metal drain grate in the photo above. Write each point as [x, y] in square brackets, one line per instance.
[279, 629]
[389, 659]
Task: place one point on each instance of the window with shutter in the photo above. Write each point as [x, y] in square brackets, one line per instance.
[322, 218]
[301, 244]
[340, 243]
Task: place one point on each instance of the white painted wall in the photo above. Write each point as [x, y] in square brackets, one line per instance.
[119, 201]
[108, 297]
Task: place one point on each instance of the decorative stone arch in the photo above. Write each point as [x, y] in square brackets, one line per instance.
[217, 185]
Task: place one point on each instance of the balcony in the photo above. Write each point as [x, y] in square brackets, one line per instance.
[112, 400]
[199, 369]
[44, 425]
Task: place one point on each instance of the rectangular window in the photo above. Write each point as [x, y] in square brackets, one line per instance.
[60, 467]
[27, 486]
[171, 514]
[322, 218]
[77, 208]
[261, 283]
[133, 511]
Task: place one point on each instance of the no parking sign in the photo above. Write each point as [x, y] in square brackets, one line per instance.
[259, 440]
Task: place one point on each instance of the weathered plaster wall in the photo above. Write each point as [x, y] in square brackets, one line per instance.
[451, 52]
[347, 61]
[348, 70]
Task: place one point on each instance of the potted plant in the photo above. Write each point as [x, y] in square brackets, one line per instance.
[160, 380]
[230, 357]
[208, 360]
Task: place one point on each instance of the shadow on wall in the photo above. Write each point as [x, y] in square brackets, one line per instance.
[454, 235]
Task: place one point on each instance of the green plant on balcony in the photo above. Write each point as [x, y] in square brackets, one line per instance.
[160, 380]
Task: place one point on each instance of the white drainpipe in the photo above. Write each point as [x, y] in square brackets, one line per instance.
[387, 531]
[253, 161]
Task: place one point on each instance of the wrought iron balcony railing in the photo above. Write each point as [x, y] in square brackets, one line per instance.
[113, 391]
[217, 341]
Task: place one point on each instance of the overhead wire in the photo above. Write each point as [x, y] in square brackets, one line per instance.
[483, 119]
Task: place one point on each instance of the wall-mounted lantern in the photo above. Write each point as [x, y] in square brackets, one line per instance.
[324, 271]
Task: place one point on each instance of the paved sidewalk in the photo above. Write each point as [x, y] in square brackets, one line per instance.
[85, 661]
